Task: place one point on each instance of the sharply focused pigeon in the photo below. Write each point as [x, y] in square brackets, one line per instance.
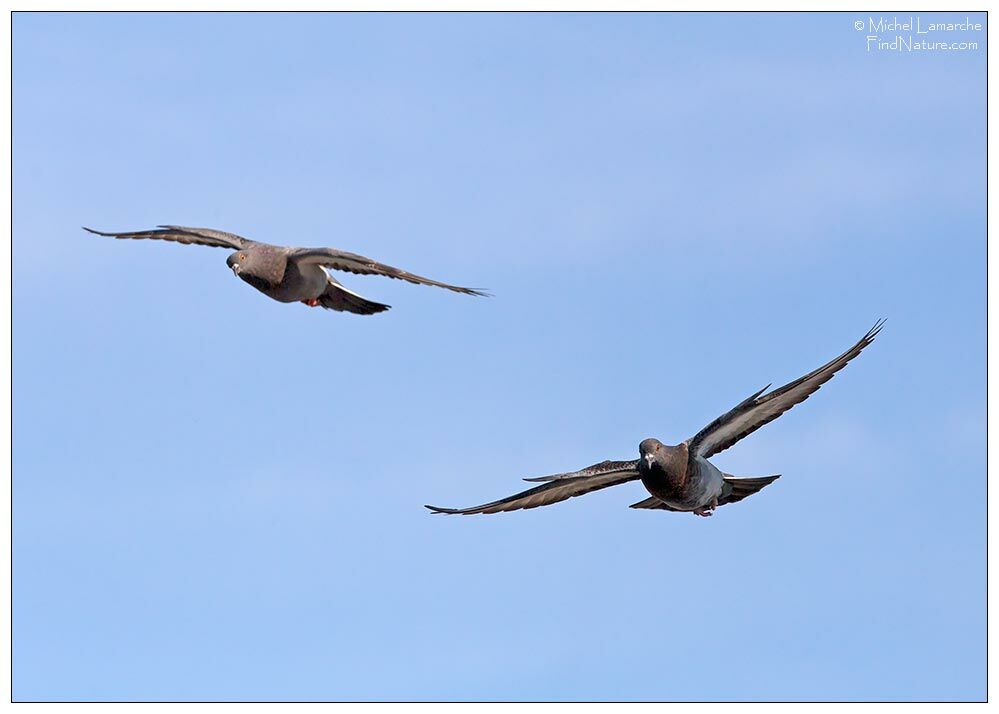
[680, 478]
[292, 274]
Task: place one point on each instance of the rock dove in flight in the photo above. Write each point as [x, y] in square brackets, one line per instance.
[292, 274]
[680, 478]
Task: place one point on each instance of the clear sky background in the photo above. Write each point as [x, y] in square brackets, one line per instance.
[217, 496]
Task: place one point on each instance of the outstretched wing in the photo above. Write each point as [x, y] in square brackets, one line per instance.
[749, 415]
[353, 263]
[182, 234]
[558, 488]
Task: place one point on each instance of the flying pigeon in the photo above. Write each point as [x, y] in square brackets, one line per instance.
[680, 478]
[292, 274]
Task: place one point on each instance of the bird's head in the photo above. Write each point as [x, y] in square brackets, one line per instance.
[237, 261]
[650, 450]
[260, 266]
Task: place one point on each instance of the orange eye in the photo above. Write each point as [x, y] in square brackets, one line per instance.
[242, 256]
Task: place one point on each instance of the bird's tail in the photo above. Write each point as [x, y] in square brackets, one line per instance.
[736, 489]
[339, 298]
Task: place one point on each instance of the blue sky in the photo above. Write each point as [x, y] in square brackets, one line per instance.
[217, 496]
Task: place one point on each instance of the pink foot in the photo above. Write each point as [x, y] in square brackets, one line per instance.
[706, 509]
[311, 302]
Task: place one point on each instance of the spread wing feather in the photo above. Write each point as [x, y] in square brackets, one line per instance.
[183, 234]
[755, 411]
[358, 264]
[558, 488]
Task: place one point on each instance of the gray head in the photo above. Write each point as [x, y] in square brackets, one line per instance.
[237, 261]
[259, 267]
[656, 456]
[650, 449]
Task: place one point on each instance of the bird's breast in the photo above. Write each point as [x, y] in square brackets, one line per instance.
[298, 283]
[698, 485]
[663, 486]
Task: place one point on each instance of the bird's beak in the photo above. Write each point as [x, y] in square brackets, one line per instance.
[649, 459]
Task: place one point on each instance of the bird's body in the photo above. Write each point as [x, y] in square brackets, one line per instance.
[680, 478]
[300, 283]
[289, 274]
[681, 481]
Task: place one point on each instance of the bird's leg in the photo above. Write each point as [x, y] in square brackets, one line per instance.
[706, 509]
[311, 302]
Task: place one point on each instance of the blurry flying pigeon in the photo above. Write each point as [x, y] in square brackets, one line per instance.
[680, 478]
[292, 274]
